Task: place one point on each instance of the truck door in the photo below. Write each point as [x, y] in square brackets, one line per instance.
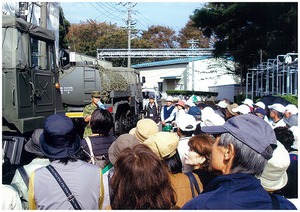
[43, 78]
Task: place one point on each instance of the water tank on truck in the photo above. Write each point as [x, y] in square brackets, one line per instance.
[30, 83]
[119, 87]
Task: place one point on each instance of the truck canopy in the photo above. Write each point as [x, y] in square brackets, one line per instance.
[40, 33]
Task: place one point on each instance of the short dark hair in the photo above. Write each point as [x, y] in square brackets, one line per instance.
[285, 136]
[174, 163]
[101, 121]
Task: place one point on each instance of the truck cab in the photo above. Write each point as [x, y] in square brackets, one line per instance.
[30, 84]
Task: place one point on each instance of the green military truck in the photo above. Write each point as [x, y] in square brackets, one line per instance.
[30, 83]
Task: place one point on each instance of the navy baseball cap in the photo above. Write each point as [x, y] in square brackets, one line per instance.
[251, 130]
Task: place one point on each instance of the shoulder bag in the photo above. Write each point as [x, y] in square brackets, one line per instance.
[193, 183]
[64, 187]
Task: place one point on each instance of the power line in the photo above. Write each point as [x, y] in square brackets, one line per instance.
[107, 14]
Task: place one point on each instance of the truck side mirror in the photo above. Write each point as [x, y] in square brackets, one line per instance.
[64, 59]
[143, 79]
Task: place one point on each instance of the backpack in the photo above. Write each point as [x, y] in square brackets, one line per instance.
[100, 161]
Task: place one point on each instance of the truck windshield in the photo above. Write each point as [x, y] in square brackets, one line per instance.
[147, 94]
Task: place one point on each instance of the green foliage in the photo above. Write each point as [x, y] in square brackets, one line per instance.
[64, 26]
[293, 99]
[189, 93]
[244, 28]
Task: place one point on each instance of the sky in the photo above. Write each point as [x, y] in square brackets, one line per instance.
[170, 14]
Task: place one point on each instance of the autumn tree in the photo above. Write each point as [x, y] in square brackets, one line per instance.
[89, 36]
[160, 37]
[190, 31]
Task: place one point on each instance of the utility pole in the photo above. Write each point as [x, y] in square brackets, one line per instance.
[193, 47]
[129, 26]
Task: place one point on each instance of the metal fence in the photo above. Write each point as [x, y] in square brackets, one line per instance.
[277, 76]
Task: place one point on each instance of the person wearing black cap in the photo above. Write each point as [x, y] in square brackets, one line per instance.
[62, 145]
[88, 110]
[20, 179]
[152, 110]
[239, 154]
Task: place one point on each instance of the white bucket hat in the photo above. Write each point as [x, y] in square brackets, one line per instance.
[274, 176]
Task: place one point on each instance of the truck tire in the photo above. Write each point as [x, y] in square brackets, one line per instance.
[123, 124]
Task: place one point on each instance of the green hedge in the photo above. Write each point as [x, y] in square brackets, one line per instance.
[189, 93]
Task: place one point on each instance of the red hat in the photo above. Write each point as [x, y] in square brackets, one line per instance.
[181, 103]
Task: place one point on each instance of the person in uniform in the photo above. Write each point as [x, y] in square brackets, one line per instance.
[88, 110]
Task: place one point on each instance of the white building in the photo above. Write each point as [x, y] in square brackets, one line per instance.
[198, 74]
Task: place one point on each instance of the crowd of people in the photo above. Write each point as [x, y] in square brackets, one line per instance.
[222, 156]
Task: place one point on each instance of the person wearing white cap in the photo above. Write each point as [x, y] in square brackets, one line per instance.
[249, 103]
[166, 114]
[186, 125]
[290, 110]
[260, 104]
[221, 108]
[241, 109]
[276, 115]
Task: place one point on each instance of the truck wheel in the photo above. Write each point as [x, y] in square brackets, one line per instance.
[122, 124]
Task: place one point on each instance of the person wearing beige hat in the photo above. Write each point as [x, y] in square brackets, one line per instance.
[164, 144]
[229, 113]
[144, 129]
[122, 142]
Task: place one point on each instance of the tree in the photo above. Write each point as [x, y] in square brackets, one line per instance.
[89, 36]
[160, 37]
[190, 31]
[64, 26]
[242, 29]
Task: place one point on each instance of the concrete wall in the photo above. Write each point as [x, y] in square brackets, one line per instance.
[225, 91]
